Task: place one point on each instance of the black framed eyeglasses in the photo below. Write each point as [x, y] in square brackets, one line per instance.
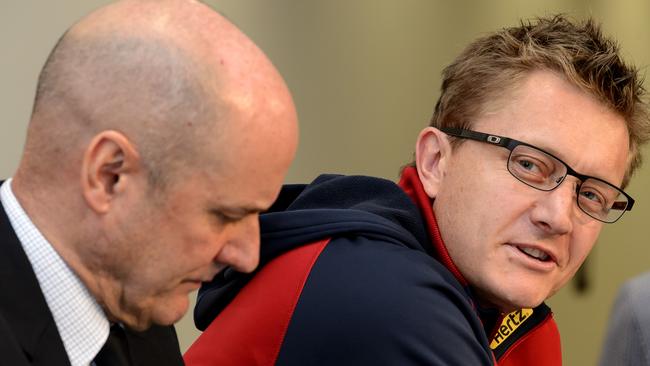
[543, 171]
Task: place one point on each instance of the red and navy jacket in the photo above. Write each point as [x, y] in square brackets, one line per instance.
[353, 272]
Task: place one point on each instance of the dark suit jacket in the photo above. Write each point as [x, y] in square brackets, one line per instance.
[28, 334]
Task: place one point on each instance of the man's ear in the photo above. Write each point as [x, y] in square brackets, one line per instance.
[108, 165]
[432, 154]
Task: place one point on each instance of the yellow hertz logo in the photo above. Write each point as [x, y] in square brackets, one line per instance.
[508, 325]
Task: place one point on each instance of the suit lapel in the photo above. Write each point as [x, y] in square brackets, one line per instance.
[25, 319]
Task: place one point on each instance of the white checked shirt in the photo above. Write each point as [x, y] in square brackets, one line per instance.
[82, 325]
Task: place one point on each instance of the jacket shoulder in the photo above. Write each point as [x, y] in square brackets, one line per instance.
[346, 301]
[371, 301]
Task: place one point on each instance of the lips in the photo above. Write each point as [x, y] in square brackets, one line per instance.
[207, 276]
[536, 252]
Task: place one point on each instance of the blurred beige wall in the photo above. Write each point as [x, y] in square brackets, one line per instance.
[365, 77]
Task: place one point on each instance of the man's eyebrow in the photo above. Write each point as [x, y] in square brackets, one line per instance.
[557, 154]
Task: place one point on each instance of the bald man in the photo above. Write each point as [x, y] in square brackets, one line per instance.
[159, 133]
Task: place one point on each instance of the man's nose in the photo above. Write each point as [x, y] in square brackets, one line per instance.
[242, 248]
[554, 210]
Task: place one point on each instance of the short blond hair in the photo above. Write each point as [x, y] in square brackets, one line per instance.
[575, 50]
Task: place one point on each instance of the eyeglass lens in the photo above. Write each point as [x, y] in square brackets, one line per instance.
[540, 170]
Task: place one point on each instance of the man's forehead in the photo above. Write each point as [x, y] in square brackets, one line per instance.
[549, 113]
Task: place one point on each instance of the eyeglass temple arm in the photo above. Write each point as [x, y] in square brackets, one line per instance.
[477, 136]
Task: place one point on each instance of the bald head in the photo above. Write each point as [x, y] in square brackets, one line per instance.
[164, 73]
[163, 91]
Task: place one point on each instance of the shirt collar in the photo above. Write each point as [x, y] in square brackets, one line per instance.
[81, 322]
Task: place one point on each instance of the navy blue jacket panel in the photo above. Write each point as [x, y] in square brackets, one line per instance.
[375, 295]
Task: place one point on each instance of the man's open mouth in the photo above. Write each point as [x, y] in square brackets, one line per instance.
[535, 253]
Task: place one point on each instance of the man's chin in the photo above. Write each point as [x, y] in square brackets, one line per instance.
[169, 312]
[525, 301]
[164, 310]
[508, 300]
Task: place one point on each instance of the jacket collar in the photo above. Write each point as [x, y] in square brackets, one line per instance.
[410, 183]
